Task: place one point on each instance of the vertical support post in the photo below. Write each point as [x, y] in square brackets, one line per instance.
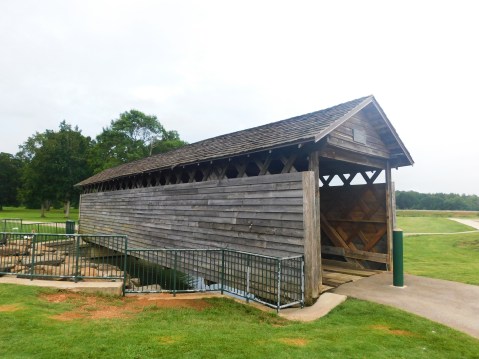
[312, 254]
[278, 305]
[70, 227]
[174, 273]
[32, 263]
[77, 258]
[248, 275]
[222, 271]
[398, 254]
[314, 167]
[389, 216]
[125, 261]
[302, 282]
[79, 212]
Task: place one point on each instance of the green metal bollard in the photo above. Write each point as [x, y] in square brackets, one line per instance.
[70, 227]
[398, 262]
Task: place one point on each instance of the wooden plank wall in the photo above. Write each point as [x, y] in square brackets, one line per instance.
[344, 137]
[261, 214]
[354, 222]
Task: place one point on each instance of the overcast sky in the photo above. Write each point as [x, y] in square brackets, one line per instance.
[207, 68]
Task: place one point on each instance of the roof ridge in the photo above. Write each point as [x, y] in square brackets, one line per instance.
[301, 128]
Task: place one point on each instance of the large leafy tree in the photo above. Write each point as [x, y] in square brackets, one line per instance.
[54, 162]
[10, 179]
[132, 136]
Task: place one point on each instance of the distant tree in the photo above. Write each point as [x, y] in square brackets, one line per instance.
[10, 179]
[54, 163]
[436, 201]
[169, 141]
[132, 136]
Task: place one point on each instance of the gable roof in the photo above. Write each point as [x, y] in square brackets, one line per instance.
[309, 127]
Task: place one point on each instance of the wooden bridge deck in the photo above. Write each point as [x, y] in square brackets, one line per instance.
[336, 273]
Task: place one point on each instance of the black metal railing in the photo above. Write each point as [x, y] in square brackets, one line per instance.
[274, 281]
[21, 226]
[61, 256]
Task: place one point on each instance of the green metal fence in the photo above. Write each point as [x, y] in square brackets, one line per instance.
[21, 226]
[61, 256]
[273, 281]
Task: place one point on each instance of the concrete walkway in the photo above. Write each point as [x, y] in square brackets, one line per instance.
[450, 303]
[325, 303]
[474, 223]
[105, 287]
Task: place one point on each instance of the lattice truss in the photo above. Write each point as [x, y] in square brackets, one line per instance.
[259, 164]
[354, 218]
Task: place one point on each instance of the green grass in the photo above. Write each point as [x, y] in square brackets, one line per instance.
[225, 329]
[452, 257]
[54, 215]
[444, 214]
[430, 225]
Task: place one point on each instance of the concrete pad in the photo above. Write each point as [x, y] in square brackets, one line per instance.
[111, 288]
[450, 303]
[325, 303]
[474, 223]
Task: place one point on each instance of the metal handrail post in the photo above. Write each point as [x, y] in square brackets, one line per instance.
[302, 282]
[174, 275]
[32, 263]
[222, 271]
[125, 261]
[279, 286]
[77, 258]
[248, 274]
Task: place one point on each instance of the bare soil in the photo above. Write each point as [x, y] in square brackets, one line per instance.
[388, 330]
[9, 308]
[94, 307]
[295, 342]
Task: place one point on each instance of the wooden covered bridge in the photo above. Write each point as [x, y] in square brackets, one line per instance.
[317, 184]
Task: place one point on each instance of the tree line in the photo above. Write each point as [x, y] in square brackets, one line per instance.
[48, 165]
[436, 201]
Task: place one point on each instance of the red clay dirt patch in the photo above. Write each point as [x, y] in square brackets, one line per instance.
[388, 330]
[95, 307]
[9, 308]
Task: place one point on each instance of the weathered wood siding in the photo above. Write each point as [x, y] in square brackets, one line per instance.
[372, 143]
[261, 214]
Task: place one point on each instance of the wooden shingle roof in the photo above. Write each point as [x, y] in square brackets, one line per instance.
[309, 127]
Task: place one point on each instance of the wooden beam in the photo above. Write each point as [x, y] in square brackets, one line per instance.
[313, 166]
[288, 163]
[355, 254]
[332, 234]
[389, 216]
[352, 157]
[311, 259]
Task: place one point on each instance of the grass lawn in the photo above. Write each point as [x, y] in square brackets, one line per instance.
[35, 324]
[445, 214]
[453, 256]
[430, 225]
[54, 215]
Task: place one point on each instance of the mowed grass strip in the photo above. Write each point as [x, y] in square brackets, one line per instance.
[430, 225]
[452, 257]
[430, 213]
[34, 215]
[220, 328]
